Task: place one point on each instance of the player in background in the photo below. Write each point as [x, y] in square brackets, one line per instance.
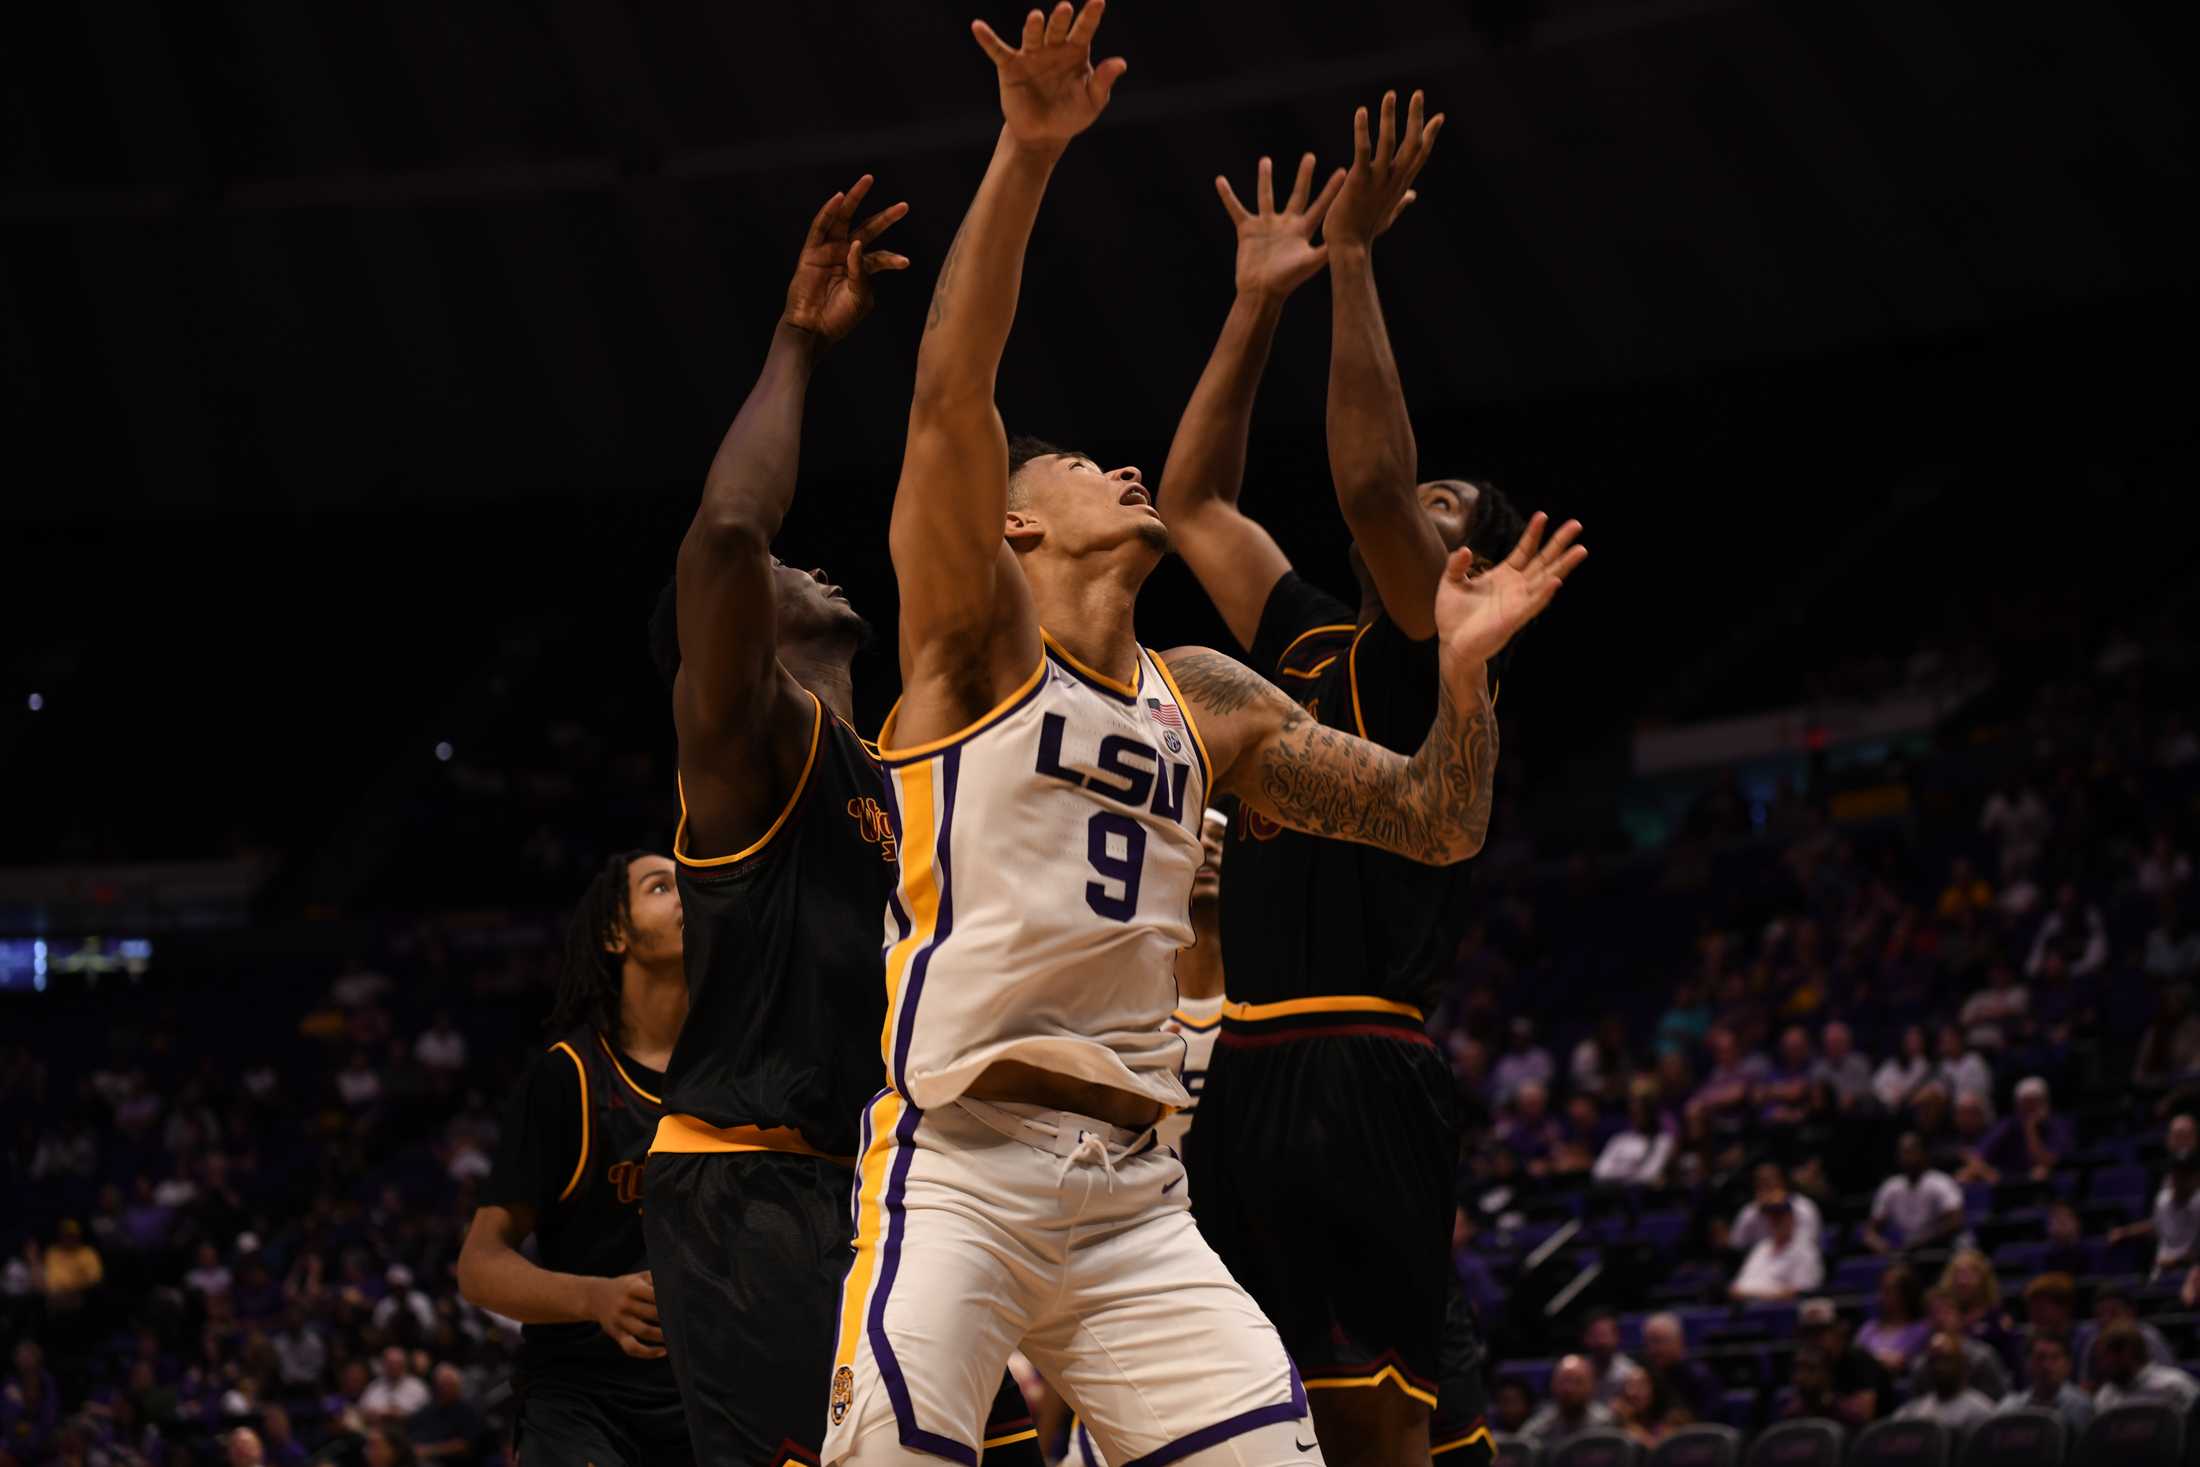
[1048, 773]
[594, 1385]
[784, 859]
[1323, 1159]
[1198, 1012]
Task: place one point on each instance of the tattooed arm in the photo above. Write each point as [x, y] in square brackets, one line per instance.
[1432, 806]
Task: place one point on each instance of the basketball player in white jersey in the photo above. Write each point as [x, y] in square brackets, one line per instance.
[1048, 775]
[1198, 1012]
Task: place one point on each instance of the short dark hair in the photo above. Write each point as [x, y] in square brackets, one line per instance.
[1022, 449]
[664, 631]
[1497, 522]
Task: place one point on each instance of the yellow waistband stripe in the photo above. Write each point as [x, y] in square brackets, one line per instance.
[1028, 1434]
[1327, 1004]
[1388, 1375]
[685, 1134]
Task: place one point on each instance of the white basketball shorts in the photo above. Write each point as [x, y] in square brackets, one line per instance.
[980, 1227]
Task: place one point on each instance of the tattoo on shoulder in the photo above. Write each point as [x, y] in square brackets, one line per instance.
[1219, 685]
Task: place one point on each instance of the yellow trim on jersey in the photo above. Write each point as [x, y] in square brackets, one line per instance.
[933, 746]
[1191, 725]
[1352, 675]
[809, 762]
[686, 1135]
[920, 890]
[1028, 1434]
[1094, 673]
[1315, 671]
[612, 1055]
[855, 1289]
[1388, 1373]
[580, 1167]
[1479, 1434]
[1342, 626]
[1341, 1003]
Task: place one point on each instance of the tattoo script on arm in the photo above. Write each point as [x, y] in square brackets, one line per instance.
[1433, 806]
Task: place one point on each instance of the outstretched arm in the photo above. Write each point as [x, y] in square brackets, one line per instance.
[1372, 456]
[1238, 563]
[1433, 805]
[736, 710]
[949, 557]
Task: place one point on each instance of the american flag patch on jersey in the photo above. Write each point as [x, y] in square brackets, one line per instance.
[1164, 714]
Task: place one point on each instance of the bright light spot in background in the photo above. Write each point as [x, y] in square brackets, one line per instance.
[38, 967]
[38, 701]
[443, 752]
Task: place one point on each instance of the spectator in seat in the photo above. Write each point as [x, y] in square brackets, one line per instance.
[1783, 1094]
[2051, 1308]
[1512, 1405]
[1900, 1075]
[2175, 1223]
[441, 1049]
[1862, 1389]
[2172, 953]
[1970, 1277]
[1783, 1264]
[1639, 1151]
[1949, 1397]
[1809, 1391]
[1917, 1207]
[1524, 1062]
[1722, 1101]
[1896, 1335]
[2111, 1307]
[2029, 1143]
[1531, 1133]
[2066, 1247]
[2128, 1375]
[1601, 1065]
[1989, 1377]
[1959, 1067]
[2047, 1386]
[1582, 1134]
[1642, 1412]
[282, 1446]
[448, 1426]
[2074, 928]
[1974, 1122]
[1600, 1346]
[2163, 869]
[2169, 1050]
[1993, 1017]
[1842, 1076]
[396, 1392]
[73, 1268]
[1750, 1224]
[1572, 1408]
[1688, 1388]
[386, 1446]
[245, 1449]
[1966, 892]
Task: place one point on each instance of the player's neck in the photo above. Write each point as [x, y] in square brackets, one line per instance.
[1199, 967]
[824, 668]
[1093, 617]
[653, 1004]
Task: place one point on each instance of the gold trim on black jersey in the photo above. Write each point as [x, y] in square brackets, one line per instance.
[612, 1055]
[580, 1166]
[809, 762]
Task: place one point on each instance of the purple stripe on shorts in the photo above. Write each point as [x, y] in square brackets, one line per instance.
[950, 767]
[882, 1349]
[1222, 1431]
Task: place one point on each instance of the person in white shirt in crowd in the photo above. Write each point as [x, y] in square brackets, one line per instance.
[2175, 1224]
[2173, 945]
[1601, 1065]
[1991, 1016]
[1524, 1062]
[2128, 1375]
[1600, 1344]
[1751, 1225]
[395, 1393]
[442, 1048]
[1899, 1075]
[1843, 1077]
[1960, 1068]
[209, 1276]
[403, 1298]
[1783, 1264]
[2048, 1386]
[1637, 1154]
[1573, 1407]
[1917, 1207]
[1950, 1399]
[301, 1354]
[357, 1084]
[2075, 926]
[2020, 819]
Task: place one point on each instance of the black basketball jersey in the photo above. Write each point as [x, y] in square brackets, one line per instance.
[574, 1141]
[785, 989]
[1305, 917]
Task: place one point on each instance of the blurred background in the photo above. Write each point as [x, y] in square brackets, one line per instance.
[362, 364]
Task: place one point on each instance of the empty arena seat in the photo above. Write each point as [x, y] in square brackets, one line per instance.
[2019, 1439]
[1810, 1442]
[1515, 1451]
[1699, 1446]
[2120, 1184]
[1902, 1444]
[1598, 1448]
[2142, 1434]
[1857, 1275]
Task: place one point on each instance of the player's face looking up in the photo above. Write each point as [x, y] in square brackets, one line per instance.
[1450, 504]
[651, 932]
[811, 606]
[1066, 504]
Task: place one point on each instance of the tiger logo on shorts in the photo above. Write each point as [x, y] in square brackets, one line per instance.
[844, 1393]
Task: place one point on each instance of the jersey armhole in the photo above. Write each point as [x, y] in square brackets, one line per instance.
[1191, 726]
[809, 762]
[580, 1164]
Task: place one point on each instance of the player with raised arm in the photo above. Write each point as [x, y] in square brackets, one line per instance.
[1048, 778]
[1337, 1218]
[784, 857]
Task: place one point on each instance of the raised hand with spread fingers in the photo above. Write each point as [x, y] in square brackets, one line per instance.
[830, 293]
[1050, 90]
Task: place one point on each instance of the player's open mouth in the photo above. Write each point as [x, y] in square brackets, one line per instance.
[1137, 494]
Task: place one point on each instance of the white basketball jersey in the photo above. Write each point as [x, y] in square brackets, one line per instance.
[1047, 854]
[1197, 1020]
